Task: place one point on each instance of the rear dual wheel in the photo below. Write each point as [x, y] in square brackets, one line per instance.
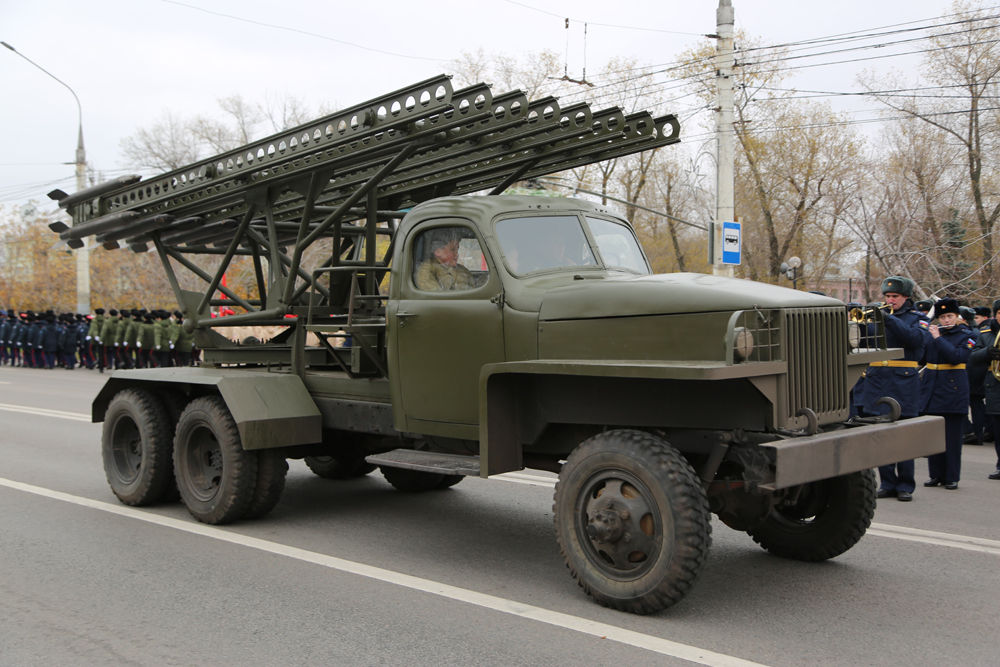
[339, 467]
[136, 447]
[218, 480]
[416, 481]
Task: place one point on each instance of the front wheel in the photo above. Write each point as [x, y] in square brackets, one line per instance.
[215, 475]
[632, 521]
[829, 517]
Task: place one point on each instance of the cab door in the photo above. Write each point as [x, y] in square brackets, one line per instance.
[448, 323]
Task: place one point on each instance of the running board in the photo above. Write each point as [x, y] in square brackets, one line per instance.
[412, 459]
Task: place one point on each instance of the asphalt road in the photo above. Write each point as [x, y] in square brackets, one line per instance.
[356, 573]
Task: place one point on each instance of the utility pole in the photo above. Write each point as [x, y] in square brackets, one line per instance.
[82, 254]
[725, 207]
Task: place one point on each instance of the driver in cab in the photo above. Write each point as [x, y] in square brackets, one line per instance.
[442, 272]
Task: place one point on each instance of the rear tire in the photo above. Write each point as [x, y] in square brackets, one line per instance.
[215, 475]
[831, 516]
[329, 467]
[271, 471]
[412, 481]
[449, 481]
[174, 401]
[136, 448]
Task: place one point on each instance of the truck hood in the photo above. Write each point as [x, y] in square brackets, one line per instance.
[667, 294]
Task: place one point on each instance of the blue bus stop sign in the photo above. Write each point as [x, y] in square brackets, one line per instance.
[732, 243]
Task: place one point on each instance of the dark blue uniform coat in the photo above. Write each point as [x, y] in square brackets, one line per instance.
[902, 329]
[991, 386]
[946, 392]
[49, 337]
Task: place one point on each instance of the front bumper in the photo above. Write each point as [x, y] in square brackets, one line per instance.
[815, 457]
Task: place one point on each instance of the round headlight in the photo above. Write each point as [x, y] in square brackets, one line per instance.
[742, 343]
[854, 334]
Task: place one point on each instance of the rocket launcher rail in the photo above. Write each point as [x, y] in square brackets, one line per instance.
[348, 176]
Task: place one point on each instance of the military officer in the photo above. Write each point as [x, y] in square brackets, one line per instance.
[944, 388]
[145, 341]
[983, 354]
[976, 427]
[181, 340]
[161, 339]
[905, 327]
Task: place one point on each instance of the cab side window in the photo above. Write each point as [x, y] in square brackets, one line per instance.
[448, 259]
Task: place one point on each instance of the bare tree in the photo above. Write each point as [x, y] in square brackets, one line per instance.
[963, 63]
[537, 74]
[167, 145]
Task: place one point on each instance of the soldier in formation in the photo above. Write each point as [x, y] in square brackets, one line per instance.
[118, 339]
[944, 388]
[986, 357]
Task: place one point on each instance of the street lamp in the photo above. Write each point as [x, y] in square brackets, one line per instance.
[790, 270]
[82, 254]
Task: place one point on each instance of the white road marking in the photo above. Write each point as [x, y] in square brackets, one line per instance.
[582, 625]
[43, 412]
[526, 478]
[941, 539]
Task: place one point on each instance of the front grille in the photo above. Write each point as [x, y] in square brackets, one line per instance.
[816, 347]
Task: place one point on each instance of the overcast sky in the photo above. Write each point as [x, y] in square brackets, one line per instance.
[129, 60]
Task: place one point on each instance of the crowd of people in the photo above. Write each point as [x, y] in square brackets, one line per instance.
[945, 371]
[126, 338]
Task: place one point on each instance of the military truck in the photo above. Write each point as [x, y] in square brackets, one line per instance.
[463, 332]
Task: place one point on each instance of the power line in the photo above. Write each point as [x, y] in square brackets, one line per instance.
[605, 25]
[304, 32]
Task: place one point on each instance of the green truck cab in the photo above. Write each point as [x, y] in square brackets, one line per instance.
[488, 334]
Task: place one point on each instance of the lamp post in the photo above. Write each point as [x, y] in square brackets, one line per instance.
[82, 254]
[790, 270]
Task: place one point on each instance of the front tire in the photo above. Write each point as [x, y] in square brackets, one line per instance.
[632, 521]
[830, 517]
[136, 448]
[215, 475]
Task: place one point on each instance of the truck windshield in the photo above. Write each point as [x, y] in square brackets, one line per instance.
[544, 242]
[618, 246]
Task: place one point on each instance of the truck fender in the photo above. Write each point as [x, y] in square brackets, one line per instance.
[270, 409]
